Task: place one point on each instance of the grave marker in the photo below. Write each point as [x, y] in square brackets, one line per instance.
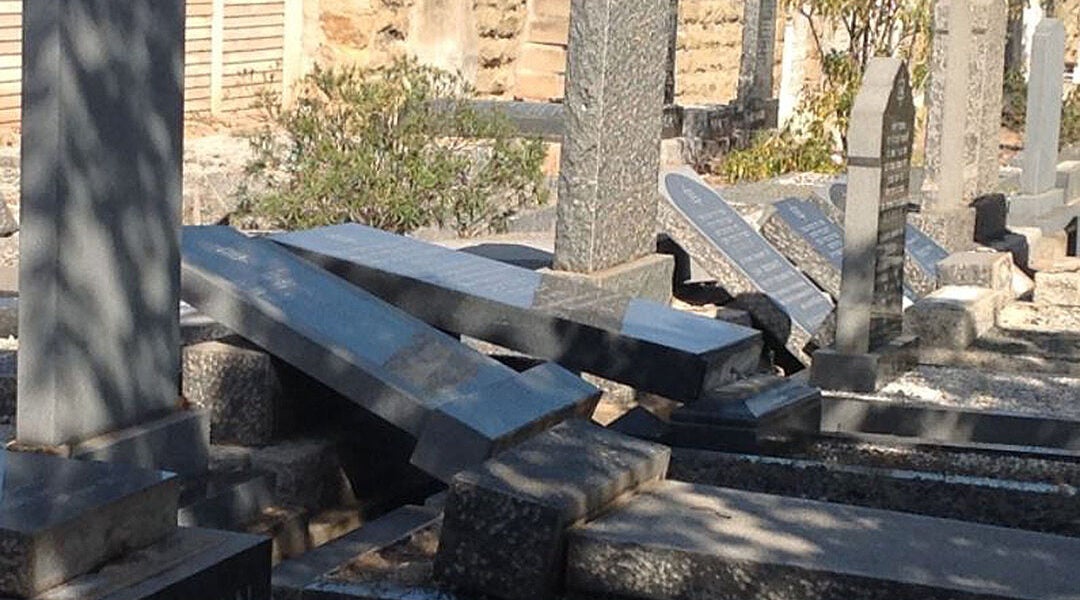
[406, 372]
[782, 300]
[870, 310]
[637, 342]
[615, 78]
[102, 137]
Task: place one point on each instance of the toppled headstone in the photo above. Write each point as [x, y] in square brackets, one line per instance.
[390, 363]
[506, 521]
[637, 342]
[681, 541]
[62, 518]
[783, 301]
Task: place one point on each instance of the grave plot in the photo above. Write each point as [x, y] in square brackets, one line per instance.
[461, 406]
[643, 344]
[783, 301]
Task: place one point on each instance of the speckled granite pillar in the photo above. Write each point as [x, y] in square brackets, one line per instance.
[611, 149]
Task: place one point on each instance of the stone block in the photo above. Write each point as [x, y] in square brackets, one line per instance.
[178, 442]
[953, 229]
[1059, 283]
[1029, 210]
[991, 270]
[305, 473]
[506, 521]
[1068, 179]
[641, 423]
[649, 277]
[692, 542]
[637, 342]
[954, 316]
[62, 518]
[1043, 247]
[864, 373]
[192, 563]
[239, 387]
[991, 215]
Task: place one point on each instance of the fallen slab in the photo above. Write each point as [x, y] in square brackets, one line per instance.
[643, 344]
[691, 542]
[396, 366]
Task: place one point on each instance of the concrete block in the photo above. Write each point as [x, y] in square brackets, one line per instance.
[691, 542]
[1059, 283]
[953, 317]
[991, 270]
[1068, 179]
[649, 277]
[505, 522]
[868, 372]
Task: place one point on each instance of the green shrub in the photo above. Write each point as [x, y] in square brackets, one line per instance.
[395, 148]
[1014, 101]
[776, 153]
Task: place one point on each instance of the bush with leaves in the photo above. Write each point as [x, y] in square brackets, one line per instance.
[396, 148]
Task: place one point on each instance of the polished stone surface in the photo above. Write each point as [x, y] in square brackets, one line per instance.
[506, 521]
[638, 342]
[387, 361]
[616, 56]
[102, 137]
[693, 542]
[781, 299]
[60, 518]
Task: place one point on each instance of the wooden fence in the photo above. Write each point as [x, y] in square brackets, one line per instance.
[234, 48]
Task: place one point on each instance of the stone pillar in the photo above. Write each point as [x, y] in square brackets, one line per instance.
[102, 141]
[1042, 129]
[989, 27]
[758, 51]
[870, 309]
[610, 160]
[673, 51]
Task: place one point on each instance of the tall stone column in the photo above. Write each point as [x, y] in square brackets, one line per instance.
[607, 212]
[102, 141]
[758, 51]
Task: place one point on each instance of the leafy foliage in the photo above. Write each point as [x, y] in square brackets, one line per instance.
[394, 148]
[1070, 118]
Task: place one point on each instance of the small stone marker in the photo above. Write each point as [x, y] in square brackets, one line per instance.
[676, 540]
[637, 342]
[870, 310]
[954, 316]
[616, 59]
[506, 521]
[403, 370]
[781, 299]
[102, 138]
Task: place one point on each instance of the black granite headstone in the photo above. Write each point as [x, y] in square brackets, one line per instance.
[641, 343]
[400, 368]
[743, 262]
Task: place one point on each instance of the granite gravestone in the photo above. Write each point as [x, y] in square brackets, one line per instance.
[459, 404]
[951, 179]
[990, 21]
[758, 57]
[102, 136]
[803, 233]
[870, 310]
[611, 148]
[637, 342]
[787, 305]
[1039, 193]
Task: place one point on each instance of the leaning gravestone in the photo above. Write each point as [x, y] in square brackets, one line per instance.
[102, 137]
[644, 344]
[870, 310]
[460, 405]
[781, 299]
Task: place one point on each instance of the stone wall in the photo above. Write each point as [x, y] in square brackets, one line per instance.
[520, 43]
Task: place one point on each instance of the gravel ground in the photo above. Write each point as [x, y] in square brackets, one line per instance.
[1045, 395]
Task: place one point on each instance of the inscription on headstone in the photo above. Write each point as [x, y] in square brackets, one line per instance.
[870, 309]
[743, 262]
